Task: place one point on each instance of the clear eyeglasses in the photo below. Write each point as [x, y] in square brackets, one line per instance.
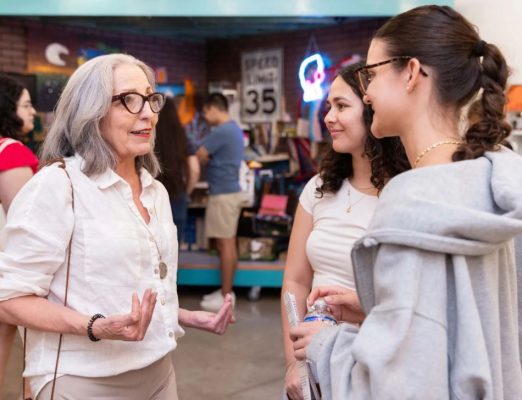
[134, 101]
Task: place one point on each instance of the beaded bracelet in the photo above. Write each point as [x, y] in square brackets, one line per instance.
[89, 327]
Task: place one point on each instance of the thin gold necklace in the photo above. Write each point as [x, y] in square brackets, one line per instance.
[350, 204]
[434, 146]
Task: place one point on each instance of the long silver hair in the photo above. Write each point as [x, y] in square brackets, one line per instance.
[85, 100]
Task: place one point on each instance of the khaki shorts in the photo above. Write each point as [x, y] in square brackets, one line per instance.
[222, 214]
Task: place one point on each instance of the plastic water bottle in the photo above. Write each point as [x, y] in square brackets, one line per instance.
[319, 312]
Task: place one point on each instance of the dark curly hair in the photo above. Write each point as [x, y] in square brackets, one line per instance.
[444, 40]
[387, 156]
[10, 92]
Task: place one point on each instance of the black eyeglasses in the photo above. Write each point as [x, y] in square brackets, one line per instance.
[134, 102]
[365, 76]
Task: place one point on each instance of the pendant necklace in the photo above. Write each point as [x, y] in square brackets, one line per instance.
[350, 204]
[162, 266]
[163, 269]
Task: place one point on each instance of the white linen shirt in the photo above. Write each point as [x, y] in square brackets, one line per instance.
[113, 254]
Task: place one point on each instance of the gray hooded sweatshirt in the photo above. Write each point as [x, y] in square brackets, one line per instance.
[437, 279]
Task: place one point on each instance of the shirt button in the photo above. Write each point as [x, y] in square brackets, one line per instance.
[171, 334]
[163, 302]
[156, 271]
[151, 239]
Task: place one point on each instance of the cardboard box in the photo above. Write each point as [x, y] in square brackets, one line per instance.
[256, 249]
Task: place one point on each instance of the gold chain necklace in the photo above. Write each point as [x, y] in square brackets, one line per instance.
[350, 205]
[433, 146]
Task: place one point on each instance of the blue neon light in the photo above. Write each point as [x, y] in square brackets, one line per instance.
[312, 89]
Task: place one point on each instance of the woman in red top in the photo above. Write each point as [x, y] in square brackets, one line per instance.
[17, 166]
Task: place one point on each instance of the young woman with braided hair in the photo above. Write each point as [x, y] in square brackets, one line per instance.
[435, 273]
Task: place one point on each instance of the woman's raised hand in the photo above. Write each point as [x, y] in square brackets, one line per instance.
[130, 327]
[215, 322]
[343, 303]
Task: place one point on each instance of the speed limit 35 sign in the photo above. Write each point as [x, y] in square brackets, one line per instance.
[261, 85]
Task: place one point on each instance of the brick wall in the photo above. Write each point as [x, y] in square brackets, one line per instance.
[13, 46]
[218, 60]
[224, 56]
[182, 60]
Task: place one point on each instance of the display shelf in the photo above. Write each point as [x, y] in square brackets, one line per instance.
[267, 158]
[201, 268]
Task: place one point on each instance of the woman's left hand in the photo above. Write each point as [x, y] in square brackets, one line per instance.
[209, 321]
[302, 336]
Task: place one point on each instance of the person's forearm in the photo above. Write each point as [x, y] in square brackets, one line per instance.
[191, 184]
[300, 292]
[185, 318]
[38, 313]
[193, 173]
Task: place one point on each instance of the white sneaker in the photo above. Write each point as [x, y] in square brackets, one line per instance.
[214, 304]
[215, 293]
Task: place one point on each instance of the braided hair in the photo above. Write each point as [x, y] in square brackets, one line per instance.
[464, 67]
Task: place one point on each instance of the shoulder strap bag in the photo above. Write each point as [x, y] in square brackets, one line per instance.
[61, 164]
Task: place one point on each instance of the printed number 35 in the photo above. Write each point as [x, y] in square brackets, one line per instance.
[268, 99]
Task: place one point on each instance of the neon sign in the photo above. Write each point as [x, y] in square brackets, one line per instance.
[311, 78]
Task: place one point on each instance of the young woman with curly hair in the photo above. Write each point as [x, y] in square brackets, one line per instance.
[435, 272]
[337, 205]
[17, 166]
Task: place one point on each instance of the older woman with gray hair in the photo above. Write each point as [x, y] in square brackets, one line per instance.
[91, 247]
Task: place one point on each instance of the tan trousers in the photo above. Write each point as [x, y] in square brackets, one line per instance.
[155, 382]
